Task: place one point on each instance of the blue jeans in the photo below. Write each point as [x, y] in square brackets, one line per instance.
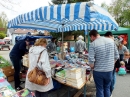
[17, 67]
[121, 57]
[113, 81]
[103, 83]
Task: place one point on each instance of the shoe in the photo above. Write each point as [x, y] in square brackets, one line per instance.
[22, 82]
[111, 95]
[18, 88]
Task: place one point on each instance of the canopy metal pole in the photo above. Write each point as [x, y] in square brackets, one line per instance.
[85, 36]
[62, 41]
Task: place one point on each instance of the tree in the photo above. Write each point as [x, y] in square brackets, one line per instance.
[120, 10]
[3, 22]
[2, 35]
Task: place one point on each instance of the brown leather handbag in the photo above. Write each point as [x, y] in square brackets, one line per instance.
[38, 76]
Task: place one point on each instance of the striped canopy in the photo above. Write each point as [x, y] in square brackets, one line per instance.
[66, 17]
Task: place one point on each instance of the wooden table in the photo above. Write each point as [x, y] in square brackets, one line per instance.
[83, 85]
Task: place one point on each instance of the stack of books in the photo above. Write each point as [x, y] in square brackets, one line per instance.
[75, 77]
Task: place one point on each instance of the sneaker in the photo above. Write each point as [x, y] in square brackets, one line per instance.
[18, 88]
[22, 82]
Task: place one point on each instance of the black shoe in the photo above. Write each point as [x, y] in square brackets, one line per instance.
[22, 82]
[18, 88]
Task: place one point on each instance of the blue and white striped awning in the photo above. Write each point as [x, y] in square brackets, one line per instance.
[75, 16]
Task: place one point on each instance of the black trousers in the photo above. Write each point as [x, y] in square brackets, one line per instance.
[41, 94]
[17, 67]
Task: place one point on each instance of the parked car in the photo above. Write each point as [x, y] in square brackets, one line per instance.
[2, 42]
[7, 40]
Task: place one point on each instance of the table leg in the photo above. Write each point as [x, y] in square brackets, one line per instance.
[85, 90]
[58, 93]
[68, 91]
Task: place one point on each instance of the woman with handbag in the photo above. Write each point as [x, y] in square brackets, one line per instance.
[39, 73]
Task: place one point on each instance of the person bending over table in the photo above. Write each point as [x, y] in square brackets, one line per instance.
[15, 55]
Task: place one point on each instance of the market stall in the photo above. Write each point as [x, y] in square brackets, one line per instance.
[62, 18]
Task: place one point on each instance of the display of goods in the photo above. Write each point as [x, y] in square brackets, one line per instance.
[53, 63]
[25, 93]
[58, 64]
[7, 92]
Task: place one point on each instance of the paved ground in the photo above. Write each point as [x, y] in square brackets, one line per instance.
[122, 87]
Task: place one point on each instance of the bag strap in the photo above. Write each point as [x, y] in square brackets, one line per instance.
[40, 56]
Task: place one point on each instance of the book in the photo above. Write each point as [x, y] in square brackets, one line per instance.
[7, 92]
[25, 93]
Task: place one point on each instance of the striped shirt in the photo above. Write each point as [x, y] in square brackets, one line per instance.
[103, 53]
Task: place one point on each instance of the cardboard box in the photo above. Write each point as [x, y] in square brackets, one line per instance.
[11, 78]
[6, 68]
[70, 37]
[8, 71]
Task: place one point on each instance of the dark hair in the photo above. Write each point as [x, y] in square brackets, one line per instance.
[108, 33]
[93, 33]
[53, 39]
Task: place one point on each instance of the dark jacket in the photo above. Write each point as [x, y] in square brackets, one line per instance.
[19, 49]
[127, 64]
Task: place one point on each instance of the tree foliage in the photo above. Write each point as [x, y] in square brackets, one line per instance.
[3, 22]
[2, 35]
[120, 10]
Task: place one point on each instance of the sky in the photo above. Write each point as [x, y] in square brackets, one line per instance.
[23, 6]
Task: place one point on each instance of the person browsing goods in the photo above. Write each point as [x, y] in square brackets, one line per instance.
[103, 54]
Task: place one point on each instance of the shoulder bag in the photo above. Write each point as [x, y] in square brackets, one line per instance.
[38, 76]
